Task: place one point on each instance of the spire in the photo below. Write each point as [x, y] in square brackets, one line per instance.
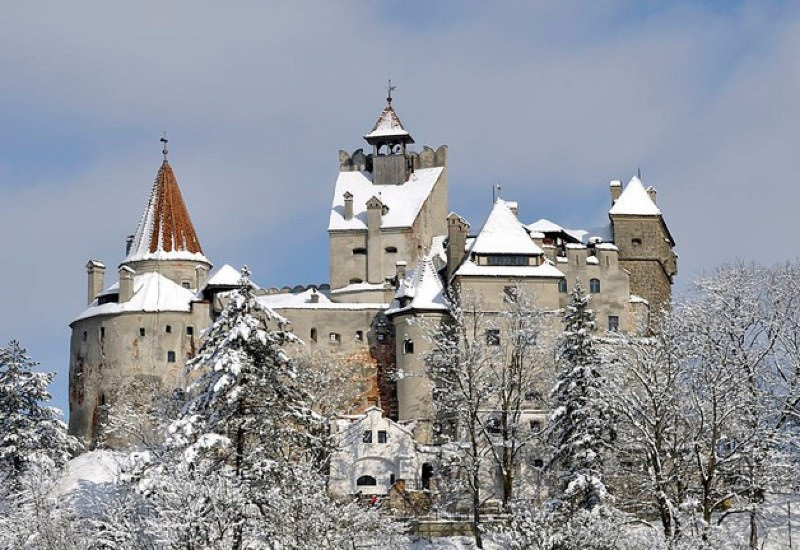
[165, 230]
[388, 125]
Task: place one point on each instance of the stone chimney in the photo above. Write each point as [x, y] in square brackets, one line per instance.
[651, 192]
[125, 283]
[457, 229]
[616, 190]
[400, 270]
[200, 276]
[375, 212]
[95, 270]
[348, 205]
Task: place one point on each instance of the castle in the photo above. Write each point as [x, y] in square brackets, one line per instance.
[394, 251]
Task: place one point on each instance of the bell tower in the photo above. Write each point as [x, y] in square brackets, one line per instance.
[391, 163]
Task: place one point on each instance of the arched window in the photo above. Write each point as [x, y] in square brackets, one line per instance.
[562, 286]
[594, 286]
[313, 334]
[366, 480]
[427, 474]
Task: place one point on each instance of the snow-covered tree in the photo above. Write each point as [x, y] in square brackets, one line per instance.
[581, 427]
[30, 431]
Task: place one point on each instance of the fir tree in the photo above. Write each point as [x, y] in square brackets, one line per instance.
[581, 424]
[31, 433]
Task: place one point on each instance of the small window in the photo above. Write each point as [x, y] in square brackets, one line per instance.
[391, 250]
[142, 332]
[383, 437]
[493, 426]
[613, 323]
[562, 286]
[359, 252]
[313, 335]
[366, 437]
[189, 331]
[186, 284]
[356, 281]
[168, 329]
[366, 480]
[102, 332]
[408, 346]
[85, 335]
[636, 242]
[538, 463]
[391, 479]
[536, 425]
[359, 336]
[381, 337]
[493, 336]
[594, 286]
[170, 357]
[334, 338]
[510, 294]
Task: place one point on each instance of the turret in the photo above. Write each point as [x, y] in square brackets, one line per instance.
[391, 163]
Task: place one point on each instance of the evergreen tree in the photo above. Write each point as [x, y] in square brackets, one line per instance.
[31, 433]
[581, 423]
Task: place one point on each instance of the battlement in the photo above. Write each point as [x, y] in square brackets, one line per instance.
[358, 161]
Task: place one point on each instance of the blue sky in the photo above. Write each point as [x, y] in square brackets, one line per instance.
[551, 100]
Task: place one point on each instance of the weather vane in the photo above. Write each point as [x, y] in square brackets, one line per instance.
[164, 140]
[390, 89]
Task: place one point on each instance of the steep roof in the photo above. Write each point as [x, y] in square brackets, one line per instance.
[388, 125]
[502, 233]
[635, 201]
[165, 231]
[227, 275]
[404, 201]
[423, 286]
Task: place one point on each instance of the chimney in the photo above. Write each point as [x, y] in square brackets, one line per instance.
[125, 283]
[129, 244]
[514, 207]
[375, 212]
[616, 190]
[400, 270]
[651, 192]
[200, 276]
[95, 270]
[457, 241]
[348, 205]
[314, 296]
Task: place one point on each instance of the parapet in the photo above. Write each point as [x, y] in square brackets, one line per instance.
[358, 161]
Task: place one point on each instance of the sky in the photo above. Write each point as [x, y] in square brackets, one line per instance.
[550, 100]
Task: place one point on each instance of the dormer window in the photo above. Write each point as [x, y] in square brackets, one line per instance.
[506, 260]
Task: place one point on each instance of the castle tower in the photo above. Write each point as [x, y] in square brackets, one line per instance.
[644, 242]
[132, 342]
[387, 207]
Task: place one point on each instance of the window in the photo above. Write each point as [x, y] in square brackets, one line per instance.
[186, 284]
[85, 335]
[359, 252]
[334, 338]
[366, 437]
[170, 357]
[313, 335]
[366, 480]
[636, 242]
[168, 329]
[382, 436]
[142, 332]
[356, 281]
[102, 332]
[562, 286]
[381, 337]
[594, 286]
[359, 336]
[536, 425]
[506, 260]
[189, 331]
[538, 463]
[613, 323]
[391, 479]
[510, 293]
[427, 474]
[391, 250]
[408, 346]
[493, 336]
[493, 426]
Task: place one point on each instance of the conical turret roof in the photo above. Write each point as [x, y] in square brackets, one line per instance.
[165, 231]
[388, 125]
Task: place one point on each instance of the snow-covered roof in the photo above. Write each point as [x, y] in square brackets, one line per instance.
[289, 299]
[95, 467]
[502, 233]
[165, 230]
[546, 270]
[404, 201]
[359, 287]
[424, 287]
[151, 292]
[635, 201]
[227, 275]
[546, 226]
[387, 125]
